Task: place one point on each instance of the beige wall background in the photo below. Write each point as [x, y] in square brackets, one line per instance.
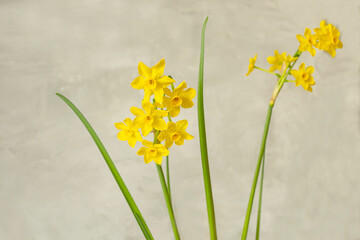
[54, 183]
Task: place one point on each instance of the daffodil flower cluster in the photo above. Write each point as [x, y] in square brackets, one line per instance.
[326, 38]
[166, 103]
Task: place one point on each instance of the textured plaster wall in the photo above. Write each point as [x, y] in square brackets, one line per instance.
[54, 183]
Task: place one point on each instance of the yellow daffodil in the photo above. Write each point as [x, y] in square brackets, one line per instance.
[175, 132]
[178, 97]
[153, 152]
[251, 65]
[152, 80]
[303, 77]
[328, 36]
[149, 119]
[307, 42]
[128, 132]
[276, 61]
[279, 61]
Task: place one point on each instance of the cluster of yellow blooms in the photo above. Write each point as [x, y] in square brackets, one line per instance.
[326, 38]
[166, 103]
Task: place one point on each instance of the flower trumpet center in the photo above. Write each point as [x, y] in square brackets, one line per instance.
[152, 152]
[175, 136]
[312, 41]
[129, 132]
[335, 40]
[148, 119]
[305, 76]
[151, 83]
[176, 101]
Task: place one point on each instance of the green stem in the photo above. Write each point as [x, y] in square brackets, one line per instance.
[260, 198]
[166, 194]
[139, 218]
[168, 201]
[168, 176]
[267, 71]
[253, 188]
[203, 145]
[167, 166]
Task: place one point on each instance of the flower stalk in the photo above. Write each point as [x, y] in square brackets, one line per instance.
[256, 175]
[166, 193]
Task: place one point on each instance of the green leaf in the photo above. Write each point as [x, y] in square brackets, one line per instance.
[203, 145]
[144, 228]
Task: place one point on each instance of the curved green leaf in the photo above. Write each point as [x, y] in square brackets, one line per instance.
[114, 171]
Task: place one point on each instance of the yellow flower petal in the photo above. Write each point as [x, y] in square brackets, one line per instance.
[159, 94]
[144, 70]
[137, 111]
[181, 125]
[138, 83]
[165, 81]
[162, 150]
[123, 135]
[147, 143]
[128, 122]
[187, 103]
[309, 70]
[188, 93]
[180, 141]
[120, 125]
[138, 136]
[132, 142]
[158, 69]
[160, 113]
[138, 122]
[147, 159]
[171, 126]
[167, 92]
[187, 136]
[174, 111]
[141, 151]
[159, 124]
[146, 129]
[147, 106]
[181, 86]
[168, 143]
[158, 160]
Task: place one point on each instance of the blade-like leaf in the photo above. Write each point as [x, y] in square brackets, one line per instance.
[114, 171]
[203, 145]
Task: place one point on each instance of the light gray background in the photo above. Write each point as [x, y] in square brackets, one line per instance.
[54, 183]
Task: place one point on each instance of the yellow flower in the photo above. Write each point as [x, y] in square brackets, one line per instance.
[153, 152]
[128, 133]
[175, 132]
[152, 80]
[307, 42]
[149, 119]
[303, 77]
[251, 65]
[279, 62]
[178, 97]
[328, 37]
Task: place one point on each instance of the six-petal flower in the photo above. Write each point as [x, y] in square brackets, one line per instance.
[178, 97]
[303, 77]
[175, 132]
[149, 118]
[328, 36]
[153, 152]
[128, 132]
[152, 80]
